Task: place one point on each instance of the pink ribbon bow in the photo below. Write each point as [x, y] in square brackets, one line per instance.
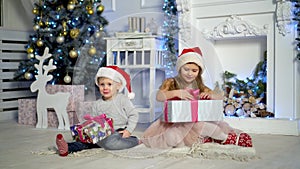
[99, 119]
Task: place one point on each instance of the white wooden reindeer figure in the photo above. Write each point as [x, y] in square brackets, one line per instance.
[57, 101]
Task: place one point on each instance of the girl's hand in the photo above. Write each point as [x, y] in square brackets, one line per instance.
[210, 96]
[205, 96]
[185, 95]
[125, 133]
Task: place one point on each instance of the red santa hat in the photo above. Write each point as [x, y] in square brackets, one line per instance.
[118, 75]
[190, 55]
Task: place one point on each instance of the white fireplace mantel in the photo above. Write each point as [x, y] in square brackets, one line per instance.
[220, 19]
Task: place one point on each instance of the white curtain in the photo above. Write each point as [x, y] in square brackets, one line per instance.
[28, 6]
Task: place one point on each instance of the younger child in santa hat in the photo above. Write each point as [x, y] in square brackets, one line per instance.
[111, 81]
[190, 66]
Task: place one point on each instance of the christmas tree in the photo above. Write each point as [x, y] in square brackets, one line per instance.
[169, 33]
[73, 30]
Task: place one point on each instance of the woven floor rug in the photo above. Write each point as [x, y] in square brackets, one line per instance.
[204, 151]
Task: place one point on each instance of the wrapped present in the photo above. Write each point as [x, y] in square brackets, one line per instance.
[93, 129]
[193, 110]
[27, 114]
[76, 91]
[27, 111]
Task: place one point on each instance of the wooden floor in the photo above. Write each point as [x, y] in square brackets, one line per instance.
[17, 143]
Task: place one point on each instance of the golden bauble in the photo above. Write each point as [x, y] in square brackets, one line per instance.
[92, 51]
[90, 11]
[74, 33]
[88, 7]
[70, 7]
[71, 2]
[67, 79]
[36, 27]
[97, 34]
[35, 11]
[39, 43]
[100, 9]
[60, 39]
[30, 55]
[73, 53]
[27, 75]
[30, 50]
[41, 23]
[65, 33]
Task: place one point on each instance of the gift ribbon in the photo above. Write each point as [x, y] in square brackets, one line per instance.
[166, 111]
[100, 119]
[194, 109]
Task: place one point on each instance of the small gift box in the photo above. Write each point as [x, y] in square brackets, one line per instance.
[193, 110]
[93, 129]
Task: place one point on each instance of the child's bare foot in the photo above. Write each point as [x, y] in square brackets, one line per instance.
[62, 145]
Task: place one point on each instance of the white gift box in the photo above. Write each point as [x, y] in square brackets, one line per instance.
[193, 111]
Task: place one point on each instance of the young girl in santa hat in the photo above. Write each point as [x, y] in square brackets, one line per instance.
[167, 135]
[111, 80]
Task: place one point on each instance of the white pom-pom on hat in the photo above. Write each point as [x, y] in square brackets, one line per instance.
[190, 55]
[116, 74]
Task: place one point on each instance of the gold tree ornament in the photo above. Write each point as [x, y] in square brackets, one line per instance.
[67, 79]
[30, 50]
[60, 39]
[90, 11]
[36, 27]
[35, 11]
[92, 51]
[41, 23]
[28, 76]
[70, 7]
[39, 43]
[64, 24]
[100, 9]
[30, 55]
[74, 33]
[97, 34]
[73, 53]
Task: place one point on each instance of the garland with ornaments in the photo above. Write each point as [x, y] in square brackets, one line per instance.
[64, 26]
[169, 33]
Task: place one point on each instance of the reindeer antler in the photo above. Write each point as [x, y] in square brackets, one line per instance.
[45, 56]
[48, 67]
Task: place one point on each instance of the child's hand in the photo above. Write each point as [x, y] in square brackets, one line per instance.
[205, 96]
[125, 133]
[210, 96]
[185, 95]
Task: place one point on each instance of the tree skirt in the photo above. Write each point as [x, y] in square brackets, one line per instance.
[203, 151]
